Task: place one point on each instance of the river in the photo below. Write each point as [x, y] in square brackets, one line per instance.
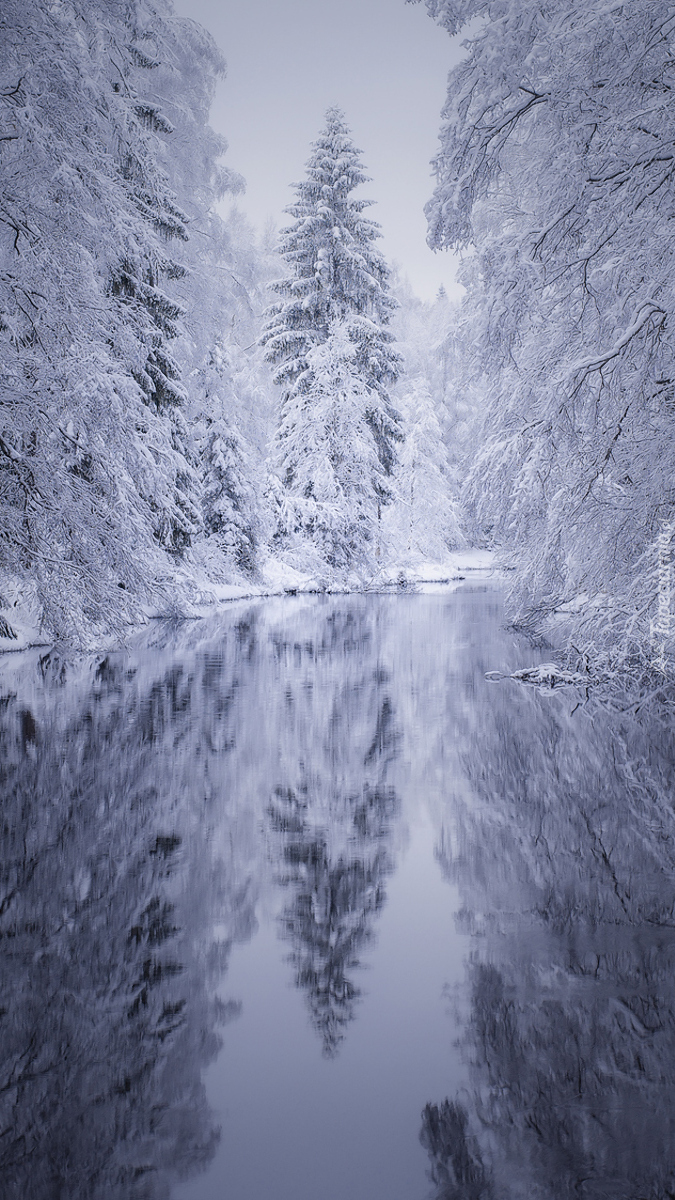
[296, 903]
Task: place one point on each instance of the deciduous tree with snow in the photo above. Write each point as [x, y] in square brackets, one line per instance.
[96, 480]
[556, 164]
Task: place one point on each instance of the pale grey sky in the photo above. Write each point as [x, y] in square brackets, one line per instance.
[384, 62]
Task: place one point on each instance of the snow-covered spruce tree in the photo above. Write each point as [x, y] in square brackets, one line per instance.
[227, 494]
[229, 501]
[556, 164]
[159, 60]
[328, 337]
[231, 398]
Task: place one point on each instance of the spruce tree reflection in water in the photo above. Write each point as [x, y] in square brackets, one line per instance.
[333, 815]
[565, 857]
[107, 894]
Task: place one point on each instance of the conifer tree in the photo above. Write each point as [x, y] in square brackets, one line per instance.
[228, 500]
[328, 338]
[424, 523]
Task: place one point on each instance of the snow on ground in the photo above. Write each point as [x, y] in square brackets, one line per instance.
[458, 565]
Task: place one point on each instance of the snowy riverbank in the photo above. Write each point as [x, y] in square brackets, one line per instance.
[197, 596]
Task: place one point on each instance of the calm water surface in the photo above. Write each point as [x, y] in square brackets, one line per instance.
[296, 905]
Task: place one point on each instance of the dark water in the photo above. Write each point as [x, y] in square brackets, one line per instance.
[295, 904]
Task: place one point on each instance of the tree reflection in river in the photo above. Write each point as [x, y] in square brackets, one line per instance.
[109, 889]
[150, 797]
[563, 848]
[333, 813]
[134, 789]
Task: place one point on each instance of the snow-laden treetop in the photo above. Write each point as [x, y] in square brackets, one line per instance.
[337, 270]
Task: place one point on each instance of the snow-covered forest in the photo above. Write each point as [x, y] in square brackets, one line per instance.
[555, 175]
[191, 409]
[147, 456]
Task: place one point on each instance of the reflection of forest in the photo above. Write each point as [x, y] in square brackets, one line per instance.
[332, 815]
[109, 889]
[134, 788]
[135, 792]
[562, 844]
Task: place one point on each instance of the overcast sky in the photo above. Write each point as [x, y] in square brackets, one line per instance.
[384, 62]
